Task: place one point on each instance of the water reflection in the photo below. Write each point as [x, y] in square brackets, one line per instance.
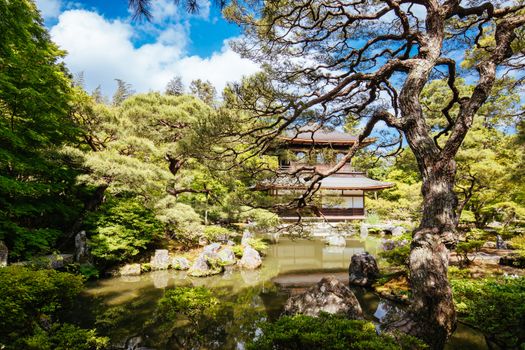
[127, 309]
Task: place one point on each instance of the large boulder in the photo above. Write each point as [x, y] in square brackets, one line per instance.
[4, 252]
[161, 260]
[57, 261]
[363, 269]
[336, 240]
[329, 295]
[226, 256]
[250, 258]
[202, 267]
[180, 263]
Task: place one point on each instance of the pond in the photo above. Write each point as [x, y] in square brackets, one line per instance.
[126, 308]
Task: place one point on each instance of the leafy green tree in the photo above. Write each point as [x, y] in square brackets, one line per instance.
[203, 90]
[37, 183]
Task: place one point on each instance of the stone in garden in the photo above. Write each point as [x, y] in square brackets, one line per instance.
[161, 260]
[336, 241]
[81, 248]
[230, 243]
[129, 270]
[202, 268]
[246, 237]
[4, 253]
[500, 243]
[397, 231]
[211, 248]
[203, 241]
[363, 270]
[180, 263]
[58, 261]
[250, 258]
[226, 256]
[329, 295]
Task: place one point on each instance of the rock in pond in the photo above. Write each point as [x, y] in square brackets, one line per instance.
[4, 252]
[202, 268]
[247, 236]
[161, 260]
[129, 270]
[336, 241]
[226, 256]
[363, 269]
[211, 248]
[329, 295]
[180, 263]
[250, 258]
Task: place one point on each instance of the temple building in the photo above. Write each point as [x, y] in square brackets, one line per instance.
[341, 196]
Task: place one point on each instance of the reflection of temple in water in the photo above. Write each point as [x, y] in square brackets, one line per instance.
[303, 254]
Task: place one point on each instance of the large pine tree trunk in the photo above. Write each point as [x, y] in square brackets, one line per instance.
[432, 308]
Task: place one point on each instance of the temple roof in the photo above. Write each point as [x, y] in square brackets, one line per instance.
[309, 135]
[335, 182]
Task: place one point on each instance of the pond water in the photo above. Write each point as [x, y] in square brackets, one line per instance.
[126, 308]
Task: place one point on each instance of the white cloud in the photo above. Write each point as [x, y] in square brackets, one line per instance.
[103, 49]
[49, 8]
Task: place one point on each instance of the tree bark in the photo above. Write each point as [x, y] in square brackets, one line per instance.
[432, 315]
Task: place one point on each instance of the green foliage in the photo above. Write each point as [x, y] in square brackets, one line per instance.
[238, 250]
[396, 251]
[495, 306]
[518, 243]
[326, 332]
[37, 184]
[258, 244]
[463, 249]
[30, 300]
[192, 302]
[66, 336]
[122, 228]
[263, 219]
[214, 233]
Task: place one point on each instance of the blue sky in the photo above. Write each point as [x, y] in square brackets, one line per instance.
[104, 43]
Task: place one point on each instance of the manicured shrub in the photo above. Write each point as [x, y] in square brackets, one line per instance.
[327, 332]
[496, 306]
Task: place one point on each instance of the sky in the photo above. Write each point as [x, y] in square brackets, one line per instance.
[104, 43]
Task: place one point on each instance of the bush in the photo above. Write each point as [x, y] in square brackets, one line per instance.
[263, 218]
[518, 243]
[463, 249]
[326, 332]
[216, 233]
[495, 306]
[30, 309]
[122, 229]
[396, 251]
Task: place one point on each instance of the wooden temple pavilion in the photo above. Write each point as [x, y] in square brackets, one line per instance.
[341, 196]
